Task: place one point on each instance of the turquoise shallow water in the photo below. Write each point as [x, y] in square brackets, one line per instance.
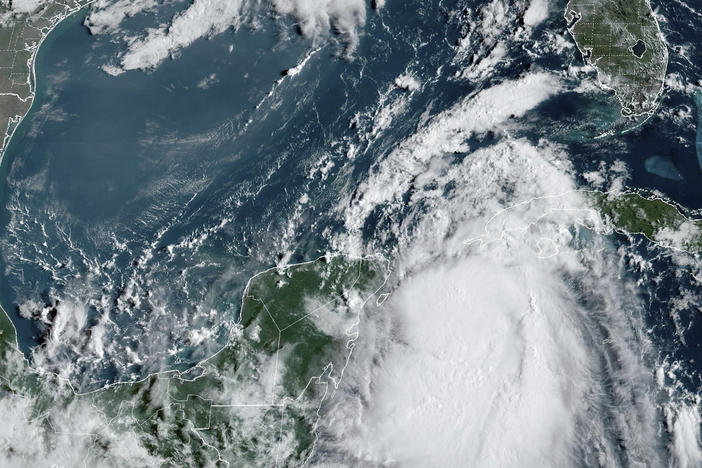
[139, 205]
[135, 208]
[106, 172]
[663, 168]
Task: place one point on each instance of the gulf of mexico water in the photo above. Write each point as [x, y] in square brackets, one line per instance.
[136, 207]
[129, 199]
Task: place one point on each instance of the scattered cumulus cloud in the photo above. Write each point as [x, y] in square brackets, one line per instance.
[204, 18]
[316, 17]
[407, 82]
[536, 13]
[459, 356]
[487, 110]
[65, 435]
[26, 6]
[107, 15]
[207, 81]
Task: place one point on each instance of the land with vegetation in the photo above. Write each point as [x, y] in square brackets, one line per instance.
[622, 40]
[256, 401]
[657, 219]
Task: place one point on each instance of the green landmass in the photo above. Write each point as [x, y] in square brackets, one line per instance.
[655, 218]
[622, 40]
[21, 34]
[255, 403]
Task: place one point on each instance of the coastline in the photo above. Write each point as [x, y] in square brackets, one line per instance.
[5, 162]
[379, 258]
[16, 121]
[14, 124]
[203, 412]
[568, 16]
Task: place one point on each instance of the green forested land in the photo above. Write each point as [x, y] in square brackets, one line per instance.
[255, 400]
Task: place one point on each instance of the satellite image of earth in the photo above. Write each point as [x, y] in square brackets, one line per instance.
[351, 233]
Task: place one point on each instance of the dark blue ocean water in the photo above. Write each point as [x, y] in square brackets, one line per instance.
[146, 202]
[698, 99]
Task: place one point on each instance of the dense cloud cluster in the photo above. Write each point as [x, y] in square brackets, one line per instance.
[511, 335]
[316, 20]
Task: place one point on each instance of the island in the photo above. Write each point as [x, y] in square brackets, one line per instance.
[658, 220]
[622, 40]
